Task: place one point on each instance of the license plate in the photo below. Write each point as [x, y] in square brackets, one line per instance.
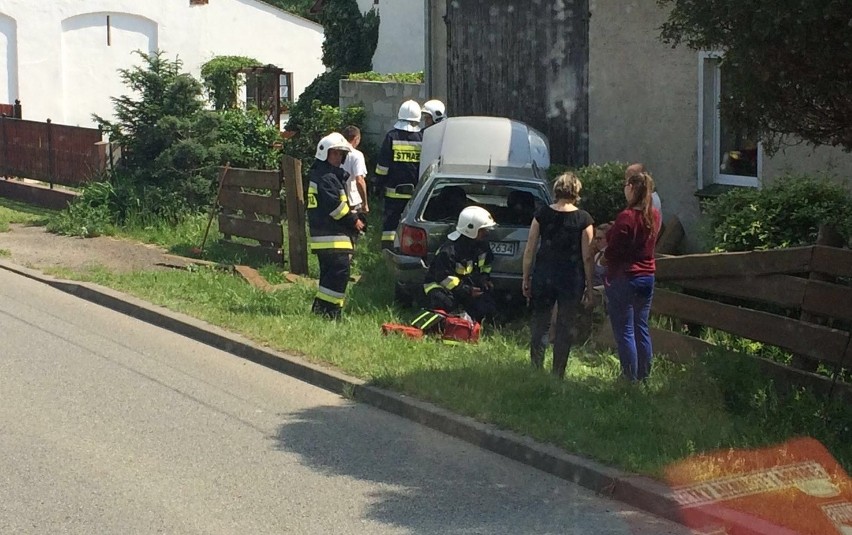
[506, 248]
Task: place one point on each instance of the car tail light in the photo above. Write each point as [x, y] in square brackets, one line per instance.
[413, 241]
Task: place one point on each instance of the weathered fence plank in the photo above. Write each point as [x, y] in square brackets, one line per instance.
[247, 228]
[832, 261]
[782, 290]
[250, 203]
[807, 339]
[828, 300]
[253, 179]
[794, 260]
[297, 237]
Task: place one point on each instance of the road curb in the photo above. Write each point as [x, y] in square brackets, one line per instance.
[638, 491]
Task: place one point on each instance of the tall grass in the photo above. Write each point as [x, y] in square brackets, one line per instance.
[13, 212]
[715, 403]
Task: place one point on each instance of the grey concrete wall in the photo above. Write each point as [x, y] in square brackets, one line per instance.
[643, 106]
[643, 102]
[806, 159]
[381, 102]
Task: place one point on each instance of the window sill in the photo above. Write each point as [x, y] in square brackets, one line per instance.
[714, 190]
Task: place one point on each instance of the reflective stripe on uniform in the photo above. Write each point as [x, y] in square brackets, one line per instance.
[435, 318]
[389, 235]
[464, 269]
[381, 170]
[450, 282]
[484, 267]
[430, 286]
[341, 210]
[330, 296]
[421, 317]
[312, 195]
[319, 243]
[426, 319]
[406, 151]
[391, 193]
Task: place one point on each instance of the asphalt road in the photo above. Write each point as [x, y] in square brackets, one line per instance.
[111, 425]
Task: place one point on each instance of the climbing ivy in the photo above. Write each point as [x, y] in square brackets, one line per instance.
[221, 83]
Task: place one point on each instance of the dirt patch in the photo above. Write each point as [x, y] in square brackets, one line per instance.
[36, 248]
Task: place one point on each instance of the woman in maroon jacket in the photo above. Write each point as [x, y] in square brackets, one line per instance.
[630, 276]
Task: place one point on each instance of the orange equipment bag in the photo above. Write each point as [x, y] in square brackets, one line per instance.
[458, 329]
[405, 330]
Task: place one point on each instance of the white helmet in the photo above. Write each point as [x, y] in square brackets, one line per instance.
[332, 141]
[471, 220]
[408, 117]
[436, 109]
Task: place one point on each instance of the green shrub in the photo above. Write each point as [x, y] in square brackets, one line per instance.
[401, 77]
[245, 139]
[91, 214]
[603, 188]
[172, 147]
[325, 88]
[785, 214]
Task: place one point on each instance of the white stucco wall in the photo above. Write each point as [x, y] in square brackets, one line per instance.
[65, 69]
[402, 35]
[9, 57]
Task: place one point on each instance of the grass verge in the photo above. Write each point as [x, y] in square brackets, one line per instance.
[13, 212]
[714, 403]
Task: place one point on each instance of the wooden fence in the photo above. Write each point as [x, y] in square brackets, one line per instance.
[52, 153]
[761, 296]
[250, 207]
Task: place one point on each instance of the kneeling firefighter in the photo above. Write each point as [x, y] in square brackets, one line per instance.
[331, 223]
[460, 274]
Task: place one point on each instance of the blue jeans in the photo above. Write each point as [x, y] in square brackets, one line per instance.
[629, 307]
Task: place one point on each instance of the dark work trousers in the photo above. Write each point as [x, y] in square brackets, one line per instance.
[478, 308]
[392, 211]
[550, 285]
[629, 306]
[334, 276]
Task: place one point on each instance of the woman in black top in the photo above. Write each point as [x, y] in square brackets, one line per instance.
[562, 271]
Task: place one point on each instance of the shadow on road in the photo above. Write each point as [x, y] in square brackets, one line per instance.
[430, 483]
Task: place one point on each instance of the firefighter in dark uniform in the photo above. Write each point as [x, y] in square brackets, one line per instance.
[331, 224]
[398, 167]
[434, 112]
[460, 274]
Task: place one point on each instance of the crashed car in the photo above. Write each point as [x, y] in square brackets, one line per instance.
[496, 163]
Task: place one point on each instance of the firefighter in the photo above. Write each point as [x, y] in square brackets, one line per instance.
[460, 274]
[434, 112]
[397, 167]
[331, 224]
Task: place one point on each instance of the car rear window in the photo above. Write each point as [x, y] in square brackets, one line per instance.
[509, 204]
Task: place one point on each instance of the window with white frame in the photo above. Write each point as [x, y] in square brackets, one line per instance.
[725, 155]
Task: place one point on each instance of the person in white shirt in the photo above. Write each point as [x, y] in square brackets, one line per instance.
[356, 166]
[635, 169]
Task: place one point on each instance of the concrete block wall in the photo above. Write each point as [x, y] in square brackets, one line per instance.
[381, 102]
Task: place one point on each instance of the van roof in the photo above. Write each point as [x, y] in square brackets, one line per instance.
[484, 141]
